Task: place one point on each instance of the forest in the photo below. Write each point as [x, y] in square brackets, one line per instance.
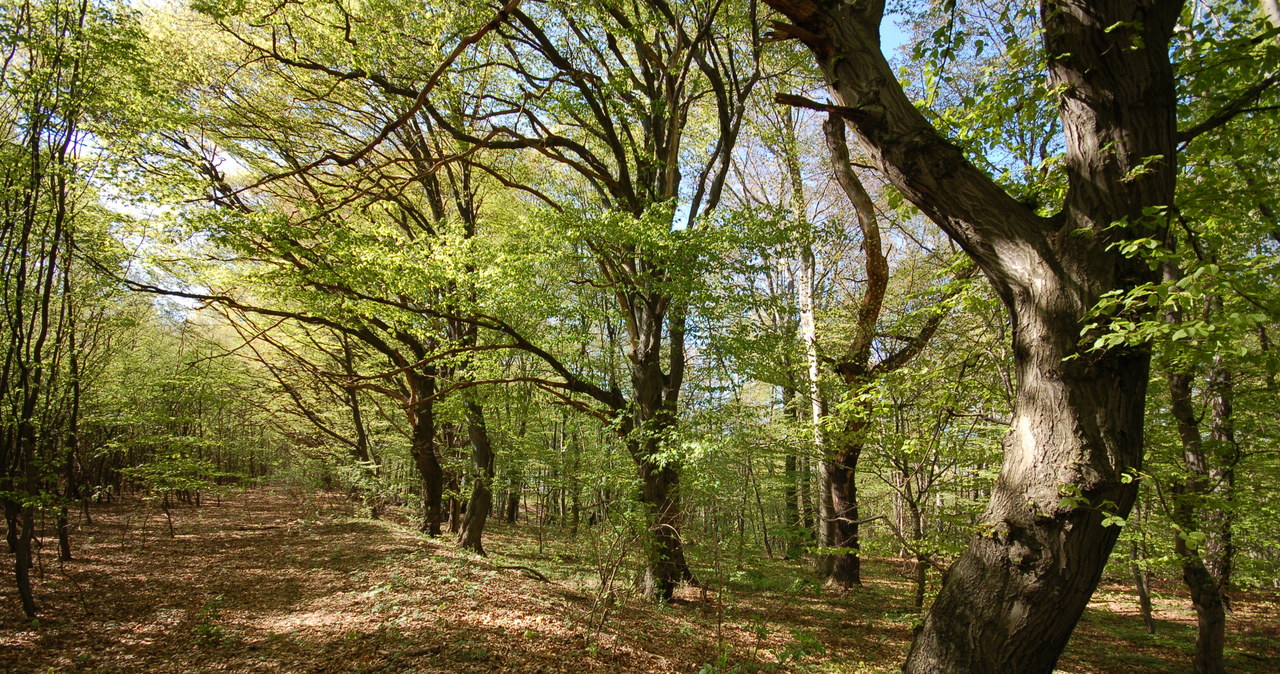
[640, 335]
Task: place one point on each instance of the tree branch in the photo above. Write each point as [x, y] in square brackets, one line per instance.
[1240, 105]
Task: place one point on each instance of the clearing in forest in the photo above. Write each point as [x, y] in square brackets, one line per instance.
[279, 581]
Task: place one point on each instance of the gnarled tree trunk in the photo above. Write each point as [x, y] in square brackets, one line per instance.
[1013, 598]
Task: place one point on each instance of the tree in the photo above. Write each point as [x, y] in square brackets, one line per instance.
[1013, 598]
[292, 226]
[54, 99]
[614, 99]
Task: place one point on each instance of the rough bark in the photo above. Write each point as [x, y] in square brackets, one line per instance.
[845, 567]
[665, 564]
[1010, 602]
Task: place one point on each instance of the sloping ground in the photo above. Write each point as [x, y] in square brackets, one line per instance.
[271, 581]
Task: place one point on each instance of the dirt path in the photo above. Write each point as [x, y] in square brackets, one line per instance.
[269, 581]
[276, 582]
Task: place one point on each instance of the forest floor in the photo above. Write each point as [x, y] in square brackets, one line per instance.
[273, 581]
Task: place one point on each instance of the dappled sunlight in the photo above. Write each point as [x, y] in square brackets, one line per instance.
[261, 583]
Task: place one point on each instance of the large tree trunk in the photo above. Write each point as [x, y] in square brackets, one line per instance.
[665, 564]
[845, 566]
[472, 530]
[648, 428]
[1010, 602]
[654, 421]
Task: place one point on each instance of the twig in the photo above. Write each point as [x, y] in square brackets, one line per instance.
[531, 571]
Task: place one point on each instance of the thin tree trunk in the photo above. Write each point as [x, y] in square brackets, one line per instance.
[1189, 496]
[513, 500]
[764, 522]
[791, 487]
[472, 530]
[168, 517]
[824, 515]
[1220, 520]
[423, 450]
[361, 448]
[806, 496]
[791, 505]
[1142, 585]
[21, 532]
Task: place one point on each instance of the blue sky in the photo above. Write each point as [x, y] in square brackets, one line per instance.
[891, 35]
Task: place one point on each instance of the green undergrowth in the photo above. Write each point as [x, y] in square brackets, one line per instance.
[755, 614]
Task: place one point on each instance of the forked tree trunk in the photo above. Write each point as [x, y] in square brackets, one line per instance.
[855, 367]
[1011, 601]
[471, 533]
[647, 429]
